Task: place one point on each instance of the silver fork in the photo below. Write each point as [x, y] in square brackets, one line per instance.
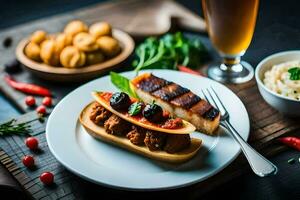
[259, 164]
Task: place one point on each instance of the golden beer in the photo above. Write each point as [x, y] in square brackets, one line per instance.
[230, 23]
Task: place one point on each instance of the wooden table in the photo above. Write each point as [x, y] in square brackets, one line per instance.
[268, 124]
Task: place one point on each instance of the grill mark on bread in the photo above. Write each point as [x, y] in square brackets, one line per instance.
[201, 107]
[176, 95]
[170, 92]
[212, 113]
[152, 83]
[186, 100]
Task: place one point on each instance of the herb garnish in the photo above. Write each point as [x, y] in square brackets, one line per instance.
[294, 73]
[11, 127]
[123, 84]
[291, 161]
[135, 108]
[168, 52]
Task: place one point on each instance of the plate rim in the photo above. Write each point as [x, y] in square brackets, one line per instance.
[159, 188]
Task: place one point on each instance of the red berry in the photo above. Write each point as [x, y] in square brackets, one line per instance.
[41, 110]
[47, 178]
[47, 101]
[32, 143]
[28, 161]
[30, 101]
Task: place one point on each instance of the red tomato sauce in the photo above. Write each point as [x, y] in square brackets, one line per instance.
[106, 96]
[176, 123]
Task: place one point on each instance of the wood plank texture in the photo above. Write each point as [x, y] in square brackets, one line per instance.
[266, 123]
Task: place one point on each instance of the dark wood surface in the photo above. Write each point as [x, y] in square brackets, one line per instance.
[275, 32]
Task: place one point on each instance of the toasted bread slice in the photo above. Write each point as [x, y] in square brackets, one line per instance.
[100, 133]
[179, 101]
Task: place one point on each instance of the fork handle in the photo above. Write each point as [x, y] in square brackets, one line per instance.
[259, 164]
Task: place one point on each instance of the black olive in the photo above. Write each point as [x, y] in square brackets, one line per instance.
[153, 113]
[12, 66]
[120, 101]
[7, 42]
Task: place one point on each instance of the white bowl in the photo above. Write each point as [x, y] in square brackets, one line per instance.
[281, 103]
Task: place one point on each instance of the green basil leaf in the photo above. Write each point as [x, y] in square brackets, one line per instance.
[294, 73]
[168, 51]
[135, 108]
[122, 83]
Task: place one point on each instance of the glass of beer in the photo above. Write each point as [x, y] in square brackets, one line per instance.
[230, 25]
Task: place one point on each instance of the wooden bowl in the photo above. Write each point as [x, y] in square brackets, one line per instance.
[61, 74]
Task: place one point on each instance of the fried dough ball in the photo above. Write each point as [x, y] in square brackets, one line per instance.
[62, 40]
[85, 42]
[48, 53]
[38, 37]
[94, 58]
[75, 27]
[100, 29]
[32, 51]
[108, 45]
[51, 36]
[72, 57]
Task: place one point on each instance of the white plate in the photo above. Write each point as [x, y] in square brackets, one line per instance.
[112, 166]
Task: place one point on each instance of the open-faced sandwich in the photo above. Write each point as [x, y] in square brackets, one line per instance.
[177, 100]
[143, 128]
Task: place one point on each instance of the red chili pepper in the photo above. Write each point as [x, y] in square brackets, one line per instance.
[293, 142]
[26, 87]
[189, 70]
